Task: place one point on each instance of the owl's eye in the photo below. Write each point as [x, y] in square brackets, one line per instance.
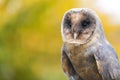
[85, 24]
[68, 24]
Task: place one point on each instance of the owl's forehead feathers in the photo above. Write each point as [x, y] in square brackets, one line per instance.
[77, 12]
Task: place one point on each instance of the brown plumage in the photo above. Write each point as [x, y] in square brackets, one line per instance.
[86, 54]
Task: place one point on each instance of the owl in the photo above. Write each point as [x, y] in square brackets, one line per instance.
[86, 53]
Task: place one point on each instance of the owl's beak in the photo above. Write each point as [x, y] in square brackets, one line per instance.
[75, 36]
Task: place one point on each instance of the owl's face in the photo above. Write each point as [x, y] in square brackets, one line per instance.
[78, 26]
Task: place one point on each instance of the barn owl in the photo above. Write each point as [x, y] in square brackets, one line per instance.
[86, 53]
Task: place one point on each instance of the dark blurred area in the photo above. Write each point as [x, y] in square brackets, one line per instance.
[30, 36]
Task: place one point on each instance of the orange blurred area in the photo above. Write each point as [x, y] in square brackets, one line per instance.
[30, 36]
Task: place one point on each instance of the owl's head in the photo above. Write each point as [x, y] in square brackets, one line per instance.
[78, 25]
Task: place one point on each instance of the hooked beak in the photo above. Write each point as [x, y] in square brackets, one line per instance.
[75, 36]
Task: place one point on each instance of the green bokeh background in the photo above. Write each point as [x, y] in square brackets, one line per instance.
[30, 38]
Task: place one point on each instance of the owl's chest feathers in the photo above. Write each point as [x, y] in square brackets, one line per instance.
[82, 60]
[79, 54]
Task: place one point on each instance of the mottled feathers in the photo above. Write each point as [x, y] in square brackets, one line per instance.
[86, 53]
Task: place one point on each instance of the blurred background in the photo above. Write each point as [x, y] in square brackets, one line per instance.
[30, 37]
